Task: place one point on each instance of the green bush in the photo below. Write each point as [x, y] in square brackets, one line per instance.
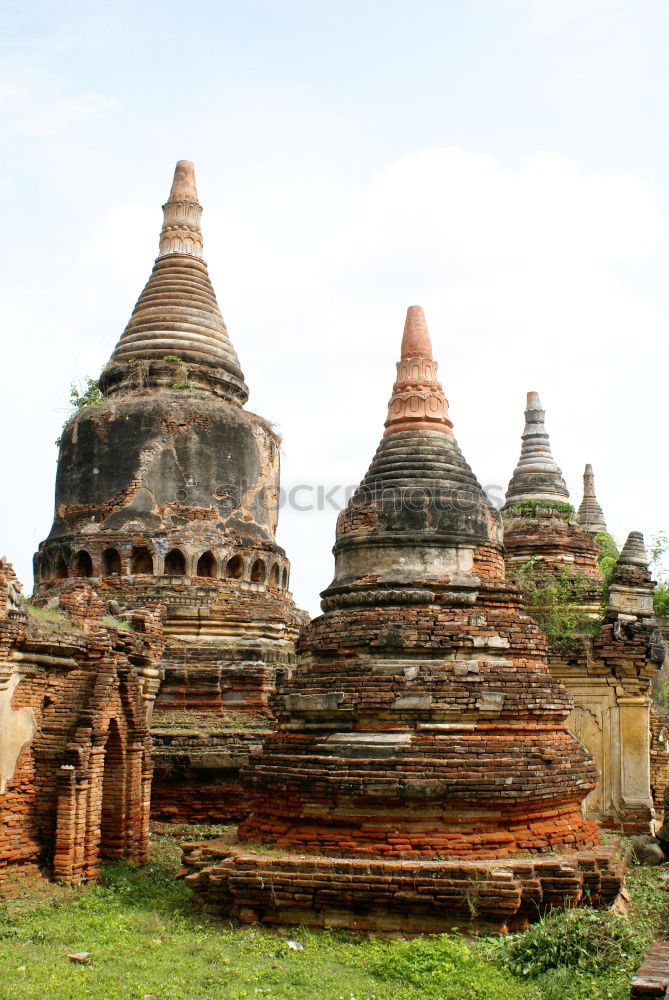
[661, 600]
[442, 966]
[555, 599]
[588, 940]
[85, 394]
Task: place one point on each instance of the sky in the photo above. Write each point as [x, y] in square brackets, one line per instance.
[503, 163]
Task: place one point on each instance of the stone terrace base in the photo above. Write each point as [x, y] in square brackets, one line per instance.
[197, 762]
[395, 897]
[652, 980]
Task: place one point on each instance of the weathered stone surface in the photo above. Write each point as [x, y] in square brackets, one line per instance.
[537, 475]
[648, 850]
[590, 514]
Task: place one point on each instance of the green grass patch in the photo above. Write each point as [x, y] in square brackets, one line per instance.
[111, 621]
[50, 620]
[146, 938]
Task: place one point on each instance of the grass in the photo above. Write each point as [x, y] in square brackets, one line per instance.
[111, 621]
[50, 620]
[146, 939]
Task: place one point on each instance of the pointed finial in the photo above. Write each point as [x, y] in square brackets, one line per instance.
[634, 551]
[588, 482]
[418, 401]
[182, 212]
[537, 475]
[183, 185]
[590, 514]
[416, 341]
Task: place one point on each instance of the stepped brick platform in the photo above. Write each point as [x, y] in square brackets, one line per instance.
[652, 980]
[421, 735]
[394, 897]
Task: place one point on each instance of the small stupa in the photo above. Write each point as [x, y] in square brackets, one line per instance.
[590, 514]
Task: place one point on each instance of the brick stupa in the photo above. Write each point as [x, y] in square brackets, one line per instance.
[166, 493]
[422, 774]
[590, 514]
[539, 521]
[606, 668]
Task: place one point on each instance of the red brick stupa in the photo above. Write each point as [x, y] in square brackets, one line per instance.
[422, 774]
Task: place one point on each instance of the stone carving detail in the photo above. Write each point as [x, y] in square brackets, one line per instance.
[418, 399]
[182, 212]
[13, 601]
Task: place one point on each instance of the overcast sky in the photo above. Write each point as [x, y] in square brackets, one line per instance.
[503, 163]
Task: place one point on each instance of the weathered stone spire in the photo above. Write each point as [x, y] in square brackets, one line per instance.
[182, 212]
[634, 551]
[590, 514]
[631, 590]
[537, 475]
[418, 401]
[419, 500]
[176, 335]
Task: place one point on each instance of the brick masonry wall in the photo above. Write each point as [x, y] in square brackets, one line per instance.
[652, 980]
[394, 896]
[80, 785]
[659, 758]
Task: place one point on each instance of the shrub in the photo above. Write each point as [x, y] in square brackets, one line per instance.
[589, 940]
[554, 599]
[85, 394]
[441, 966]
[661, 600]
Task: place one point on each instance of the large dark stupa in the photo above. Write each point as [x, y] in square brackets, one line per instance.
[166, 493]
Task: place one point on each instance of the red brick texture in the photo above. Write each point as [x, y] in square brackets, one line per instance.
[81, 787]
[394, 897]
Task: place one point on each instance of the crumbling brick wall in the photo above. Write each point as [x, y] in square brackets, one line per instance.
[77, 769]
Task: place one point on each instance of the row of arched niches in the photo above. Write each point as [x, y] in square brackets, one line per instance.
[140, 561]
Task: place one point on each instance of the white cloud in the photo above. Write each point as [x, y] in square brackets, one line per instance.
[41, 114]
[548, 16]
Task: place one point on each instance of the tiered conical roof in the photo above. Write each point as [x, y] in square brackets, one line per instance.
[418, 491]
[634, 551]
[177, 315]
[590, 514]
[537, 475]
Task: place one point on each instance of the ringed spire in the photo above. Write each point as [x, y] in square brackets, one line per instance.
[176, 333]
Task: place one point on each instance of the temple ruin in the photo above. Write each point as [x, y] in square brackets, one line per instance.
[422, 774]
[609, 662]
[167, 494]
[431, 751]
[75, 764]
